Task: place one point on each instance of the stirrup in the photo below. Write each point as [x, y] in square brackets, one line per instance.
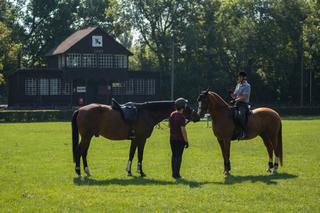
[132, 134]
[242, 135]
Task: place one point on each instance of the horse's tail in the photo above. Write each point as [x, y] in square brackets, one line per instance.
[279, 144]
[75, 135]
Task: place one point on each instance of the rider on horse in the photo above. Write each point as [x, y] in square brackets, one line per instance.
[241, 96]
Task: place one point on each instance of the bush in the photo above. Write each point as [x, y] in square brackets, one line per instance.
[36, 115]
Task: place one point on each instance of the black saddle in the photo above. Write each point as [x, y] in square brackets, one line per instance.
[129, 111]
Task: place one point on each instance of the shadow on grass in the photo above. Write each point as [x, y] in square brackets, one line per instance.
[137, 181]
[267, 179]
[298, 118]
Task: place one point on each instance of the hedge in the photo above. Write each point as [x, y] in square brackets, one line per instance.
[35, 115]
[65, 115]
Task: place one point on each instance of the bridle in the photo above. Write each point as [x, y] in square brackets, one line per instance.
[190, 112]
[202, 103]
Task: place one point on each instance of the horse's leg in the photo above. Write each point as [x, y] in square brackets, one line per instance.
[222, 149]
[133, 147]
[83, 150]
[140, 157]
[267, 142]
[276, 161]
[77, 168]
[227, 164]
[77, 159]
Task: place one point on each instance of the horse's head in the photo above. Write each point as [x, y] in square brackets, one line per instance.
[203, 103]
[191, 114]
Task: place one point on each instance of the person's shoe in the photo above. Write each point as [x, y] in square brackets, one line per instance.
[175, 176]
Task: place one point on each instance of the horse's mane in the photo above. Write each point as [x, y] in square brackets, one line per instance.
[155, 105]
[219, 100]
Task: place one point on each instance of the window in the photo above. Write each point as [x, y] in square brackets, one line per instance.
[55, 86]
[61, 61]
[130, 87]
[118, 88]
[150, 87]
[44, 86]
[47, 86]
[89, 60]
[74, 60]
[120, 61]
[105, 61]
[30, 86]
[139, 87]
[66, 90]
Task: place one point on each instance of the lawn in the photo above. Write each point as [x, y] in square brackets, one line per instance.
[37, 173]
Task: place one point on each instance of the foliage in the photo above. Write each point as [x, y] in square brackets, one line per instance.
[37, 173]
[50, 22]
[276, 41]
[213, 40]
[10, 45]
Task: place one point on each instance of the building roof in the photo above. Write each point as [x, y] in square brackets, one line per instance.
[70, 41]
[74, 39]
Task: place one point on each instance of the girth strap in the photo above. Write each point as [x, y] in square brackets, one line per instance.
[129, 113]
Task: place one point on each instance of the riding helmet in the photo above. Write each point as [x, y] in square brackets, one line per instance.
[243, 74]
[181, 103]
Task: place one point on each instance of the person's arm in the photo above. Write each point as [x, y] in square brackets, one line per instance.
[242, 97]
[185, 136]
[234, 93]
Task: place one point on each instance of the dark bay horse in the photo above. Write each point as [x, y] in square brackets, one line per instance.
[264, 122]
[97, 119]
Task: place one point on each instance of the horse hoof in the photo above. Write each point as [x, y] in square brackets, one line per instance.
[129, 174]
[226, 173]
[269, 170]
[142, 174]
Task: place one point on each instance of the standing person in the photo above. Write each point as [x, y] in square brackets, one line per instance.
[178, 136]
[241, 96]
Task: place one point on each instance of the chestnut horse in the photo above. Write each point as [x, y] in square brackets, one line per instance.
[97, 119]
[264, 122]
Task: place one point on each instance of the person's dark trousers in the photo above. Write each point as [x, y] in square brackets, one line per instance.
[177, 147]
[242, 115]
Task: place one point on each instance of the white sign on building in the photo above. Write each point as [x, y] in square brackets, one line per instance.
[81, 89]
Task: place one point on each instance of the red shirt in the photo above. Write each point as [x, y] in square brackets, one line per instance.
[176, 121]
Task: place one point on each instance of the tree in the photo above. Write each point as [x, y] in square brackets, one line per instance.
[50, 22]
[10, 39]
[263, 37]
[47, 23]
[311, 41]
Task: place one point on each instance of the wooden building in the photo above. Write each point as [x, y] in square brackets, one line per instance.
[88, 67]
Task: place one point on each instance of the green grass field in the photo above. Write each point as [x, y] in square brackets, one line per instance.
[37, 173]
